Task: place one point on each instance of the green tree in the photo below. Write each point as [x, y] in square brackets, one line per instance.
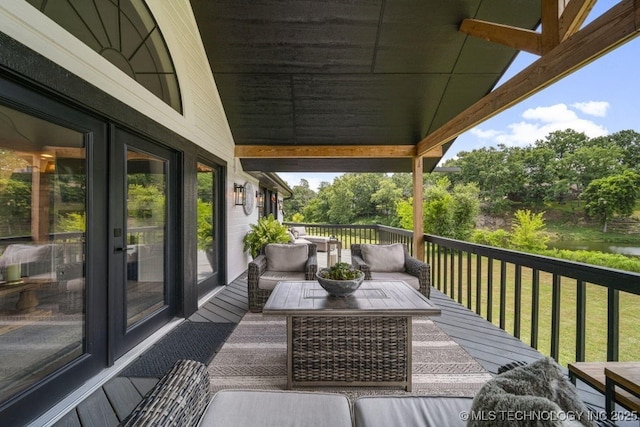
[341, 199]
[438, 210]
[629, 142]
[72, 222]
[528, 231]
[466, 207]
[404, 213]
[15, 205]
[600, 158]
[301, 195]
[613, 195]
[498, 173]
[385, 199]
[146, 205]
[563, 142]
[318, 208]
[447, 212]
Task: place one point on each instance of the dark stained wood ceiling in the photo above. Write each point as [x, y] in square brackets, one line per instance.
[350, 72]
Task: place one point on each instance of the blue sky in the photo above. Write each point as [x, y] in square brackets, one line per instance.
[599, 99]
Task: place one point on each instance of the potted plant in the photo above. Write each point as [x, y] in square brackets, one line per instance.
[340, 280]
[266, 230]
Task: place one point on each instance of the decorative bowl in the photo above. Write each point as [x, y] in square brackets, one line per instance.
[340, 288]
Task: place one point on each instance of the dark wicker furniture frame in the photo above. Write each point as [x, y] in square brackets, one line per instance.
[360, 340]
[412, 266]
[257, 296]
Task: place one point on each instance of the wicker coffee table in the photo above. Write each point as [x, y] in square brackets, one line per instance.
[360, 340]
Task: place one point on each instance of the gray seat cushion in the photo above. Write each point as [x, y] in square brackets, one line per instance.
[270, 278]
[398, 275]
[253, 408]
[408, 411]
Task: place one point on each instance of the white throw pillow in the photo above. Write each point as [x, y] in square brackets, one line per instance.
[286, 257]
[384, 257]
[298, 231]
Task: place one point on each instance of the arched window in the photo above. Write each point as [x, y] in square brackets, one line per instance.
[125, 33]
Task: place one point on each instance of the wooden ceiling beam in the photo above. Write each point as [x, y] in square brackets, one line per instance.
[615, 27]
[550, 17]
[560, 19]
[514, 37]
[331, 151]
[573, 16]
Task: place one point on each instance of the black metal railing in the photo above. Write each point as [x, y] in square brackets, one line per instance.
[568, 310]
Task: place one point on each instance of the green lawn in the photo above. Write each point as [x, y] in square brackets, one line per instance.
[596, 310]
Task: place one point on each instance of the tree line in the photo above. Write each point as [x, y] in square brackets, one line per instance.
[602, 174]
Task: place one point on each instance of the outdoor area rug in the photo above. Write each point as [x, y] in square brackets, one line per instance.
[191, 340]
[255, 357]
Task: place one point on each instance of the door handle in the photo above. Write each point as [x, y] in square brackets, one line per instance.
[122, 249]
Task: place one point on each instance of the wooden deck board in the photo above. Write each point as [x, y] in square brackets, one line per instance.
[122, 395]
[143, 385]
[481, 338]
[70, 419]
[97, 411]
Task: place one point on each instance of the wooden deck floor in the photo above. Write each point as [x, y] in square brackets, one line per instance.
[488, 344]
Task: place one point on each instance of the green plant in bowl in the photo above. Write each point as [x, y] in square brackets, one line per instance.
[340, 280]
[340, 271]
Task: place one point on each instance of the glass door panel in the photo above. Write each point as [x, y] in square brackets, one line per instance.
[146, 207]
[43, 183]
[143, 235]
[207, 254]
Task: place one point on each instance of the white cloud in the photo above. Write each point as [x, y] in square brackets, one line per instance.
[485, 134]
[592, 108]
[558, 113]
[541, 121]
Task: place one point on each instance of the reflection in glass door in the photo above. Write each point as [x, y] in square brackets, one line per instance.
[146, 206]
[208, 241]
[43, 181]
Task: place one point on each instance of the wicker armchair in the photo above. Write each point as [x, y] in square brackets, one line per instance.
[413, 271]
[261, 281]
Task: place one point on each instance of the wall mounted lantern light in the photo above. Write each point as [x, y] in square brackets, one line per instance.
[238, 192]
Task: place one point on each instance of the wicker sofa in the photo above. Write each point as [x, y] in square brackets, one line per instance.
[182, 398]
[278, 262]
[391, 262]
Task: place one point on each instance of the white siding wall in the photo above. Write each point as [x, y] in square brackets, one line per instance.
[203, 122]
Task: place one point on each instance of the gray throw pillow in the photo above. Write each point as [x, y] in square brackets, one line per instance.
[384, 258]
[537, 394]
[286, 257]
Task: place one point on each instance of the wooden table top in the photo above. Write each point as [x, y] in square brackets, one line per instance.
[627, 375]
[373, 298]
[593, 373]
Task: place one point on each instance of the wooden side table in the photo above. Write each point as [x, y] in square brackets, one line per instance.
[627, 377]
[594, 374]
